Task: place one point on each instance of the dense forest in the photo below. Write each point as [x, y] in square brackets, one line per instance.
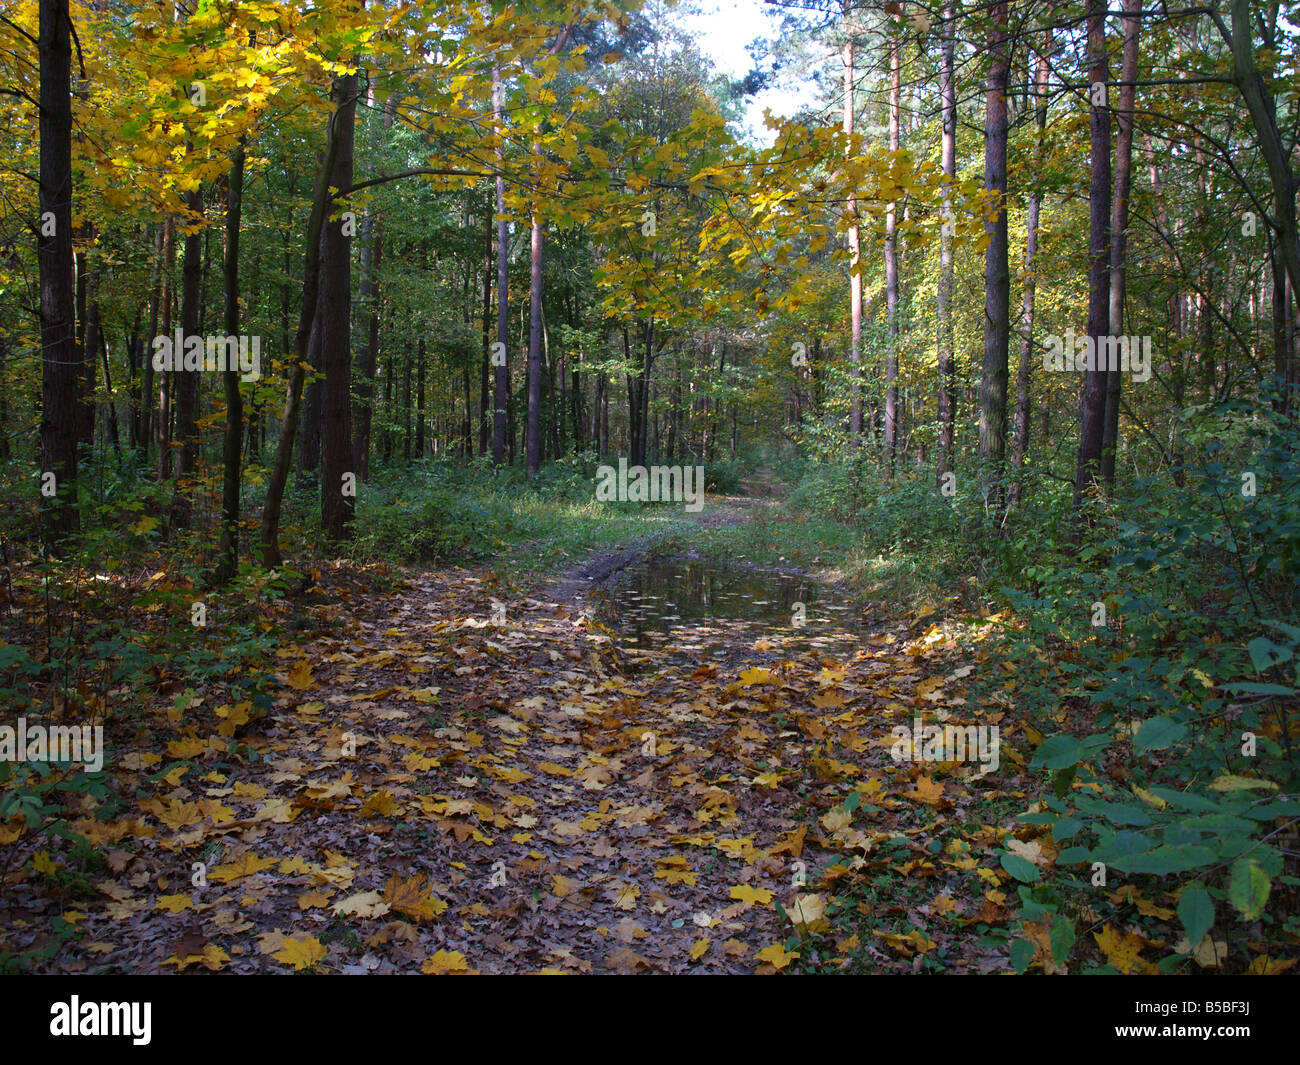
[478, 497]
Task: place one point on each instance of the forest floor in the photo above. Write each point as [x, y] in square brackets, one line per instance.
[452, 782]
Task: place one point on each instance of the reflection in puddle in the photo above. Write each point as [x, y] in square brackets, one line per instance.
[705, 610]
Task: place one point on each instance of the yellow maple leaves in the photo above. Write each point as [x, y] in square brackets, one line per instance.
[301, 952]
[412, 897]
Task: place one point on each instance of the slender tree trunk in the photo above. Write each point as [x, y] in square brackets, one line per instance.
[485, 373]
[186, 382]
[228, 549]
[855, 275]
[1020, 446]
[419, 400]
[500, 413]
[891, 273]
[54, 254]
[997, 271]
[321, 200]
[1119, 233]
[162, 426]
[1094, 390]
[533, 428]
[946, 285]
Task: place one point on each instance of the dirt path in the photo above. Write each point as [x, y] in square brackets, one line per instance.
[449, 782]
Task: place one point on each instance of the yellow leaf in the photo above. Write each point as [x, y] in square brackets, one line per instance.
[446, 962]
[174, 903]
[700, 948]
[363, 904]
[776, 956]
[43, 863]
[1123, 951]
[1263, 965]
[300, 678]
[807, 910]
[751, 895]
[927, 791]
[1231, 782]
[411, 897]
[302, 952]
[313, 900]
[247, 864]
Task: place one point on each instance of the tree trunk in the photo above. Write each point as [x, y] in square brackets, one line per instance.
[1020, 446]
[321, 201]
[855, 276]
[1094, 390]
[946, 285]
[501, 411]
[533, 428]
[228, 549]
[54, 254]
[186, 382]
[997, 272]
[1119, 233]
[891, 273]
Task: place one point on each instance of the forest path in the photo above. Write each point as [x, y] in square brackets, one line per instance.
[448, 782]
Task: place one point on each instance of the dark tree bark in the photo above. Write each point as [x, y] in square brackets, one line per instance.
[59, 368]
[500, 412]
[533, 427]
[997, 272]
[1119, 232]
[948, 154]
[338, 477]
[310, 288]
[1020, 445]
[891, 273]
[185, 384]
[1093, 413]
[163, 418]
[228, 549]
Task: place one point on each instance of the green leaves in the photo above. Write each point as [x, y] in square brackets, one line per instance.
[1196, 911]
[1021, 868]
[1158, 733]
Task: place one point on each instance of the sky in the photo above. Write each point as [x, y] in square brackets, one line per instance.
[722, 30]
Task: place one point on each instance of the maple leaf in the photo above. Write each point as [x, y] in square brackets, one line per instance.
[300, 678]
[312, 900]
[808, 911]
[700, 948]
[445, 962]
[1123, 950]
[757, 675]
[411, 897]
[927, 791]
[776, 956]
[174, 903]
[751, 895]
[302, 952]
[247, 864]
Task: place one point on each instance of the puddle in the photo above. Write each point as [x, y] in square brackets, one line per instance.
[715, 611]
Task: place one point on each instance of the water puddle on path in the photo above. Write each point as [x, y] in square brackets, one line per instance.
[707, 611]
